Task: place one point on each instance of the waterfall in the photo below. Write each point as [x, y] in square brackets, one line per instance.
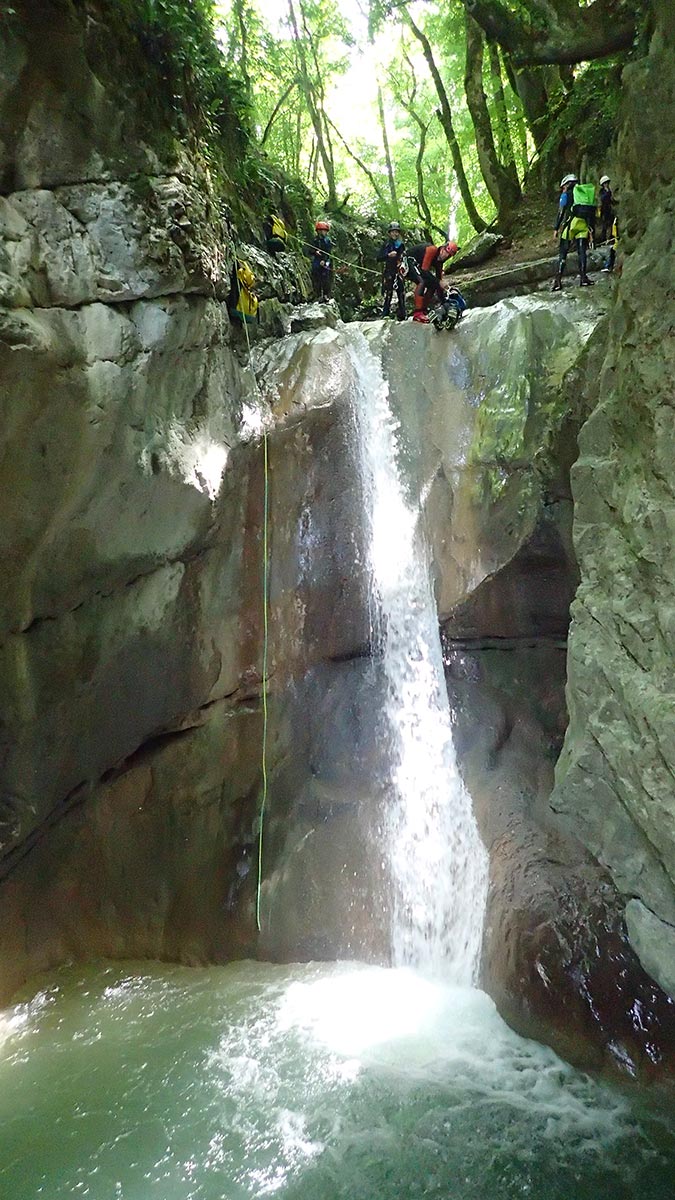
[437, 861]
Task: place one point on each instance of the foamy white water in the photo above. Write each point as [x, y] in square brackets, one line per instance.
[313, 1082]
[438, 862]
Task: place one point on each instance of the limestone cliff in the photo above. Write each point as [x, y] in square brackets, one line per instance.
[123, 596]
[616, 777]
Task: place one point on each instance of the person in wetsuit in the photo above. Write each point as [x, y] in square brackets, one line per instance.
[571, 230]
[606, 203]
[430, 260]
[392, 255]
[321, 265]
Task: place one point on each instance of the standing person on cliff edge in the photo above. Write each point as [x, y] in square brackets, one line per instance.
[321, 264]
[574, 226]
[392, 254]
[607, 207]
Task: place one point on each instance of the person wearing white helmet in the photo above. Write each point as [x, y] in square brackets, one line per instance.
[392, 255]
[572, 227]
[607, 205]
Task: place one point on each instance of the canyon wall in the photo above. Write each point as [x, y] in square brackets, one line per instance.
[615, 781]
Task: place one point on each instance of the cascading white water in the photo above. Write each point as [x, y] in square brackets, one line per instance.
[437, 860]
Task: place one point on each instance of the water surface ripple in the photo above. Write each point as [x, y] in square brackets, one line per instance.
[313, 1082]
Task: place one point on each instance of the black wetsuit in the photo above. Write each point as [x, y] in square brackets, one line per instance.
[607, 213]
[426, 257]
[391, 279]
[322, 268]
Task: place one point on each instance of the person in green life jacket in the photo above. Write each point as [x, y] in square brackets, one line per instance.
[392, 254]
[276, 234]
[574, 226]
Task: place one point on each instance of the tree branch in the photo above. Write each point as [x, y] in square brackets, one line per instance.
[366, 170]
[275, 111]
[558, 33]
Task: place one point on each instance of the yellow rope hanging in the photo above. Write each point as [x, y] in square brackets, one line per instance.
[265, 613]
[263, 801]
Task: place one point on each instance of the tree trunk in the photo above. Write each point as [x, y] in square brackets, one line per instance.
[387, 153]
[423, 207]
[240, 17]
[505, 147]
[530, 87]
[276, 110]
[359, 162]
[445, 117]
[307, 89]
[501, 180]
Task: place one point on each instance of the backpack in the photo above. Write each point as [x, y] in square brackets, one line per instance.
[246, 308]
[584, 203]
[278, 228]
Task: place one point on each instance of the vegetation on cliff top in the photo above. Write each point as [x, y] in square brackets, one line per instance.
[441, 114]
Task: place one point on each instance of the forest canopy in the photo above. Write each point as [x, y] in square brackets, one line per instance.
[436, 112]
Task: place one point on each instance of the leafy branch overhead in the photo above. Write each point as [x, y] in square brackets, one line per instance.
[557, 31]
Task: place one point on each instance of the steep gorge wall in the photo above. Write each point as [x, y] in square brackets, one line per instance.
[615, 781]
[126, 583]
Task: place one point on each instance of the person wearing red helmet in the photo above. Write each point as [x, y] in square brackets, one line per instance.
[321, 265]
[430, 260]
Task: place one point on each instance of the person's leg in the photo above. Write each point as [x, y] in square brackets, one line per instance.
[563, 247]
[419, 313]
[582, 255]
[387, 289]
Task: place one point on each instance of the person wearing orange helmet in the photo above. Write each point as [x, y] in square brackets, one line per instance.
[430, 260]
[321, 265]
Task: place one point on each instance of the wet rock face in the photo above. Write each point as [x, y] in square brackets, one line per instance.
[495, 436]
[131, 506]
[555, 954]
[615, 781]
[493, 497]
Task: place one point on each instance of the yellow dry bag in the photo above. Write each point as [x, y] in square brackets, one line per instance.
[246, 308]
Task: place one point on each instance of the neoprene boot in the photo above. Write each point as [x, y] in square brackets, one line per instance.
[419, 313]
[556, 286]
[585, 281]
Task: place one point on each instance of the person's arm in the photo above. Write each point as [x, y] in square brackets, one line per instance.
[383, 253]
[562, 211]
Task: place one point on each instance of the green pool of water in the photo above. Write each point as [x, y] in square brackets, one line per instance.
[306, 1083]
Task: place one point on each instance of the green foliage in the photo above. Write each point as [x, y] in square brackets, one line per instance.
[178, 39]
[584, 125]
